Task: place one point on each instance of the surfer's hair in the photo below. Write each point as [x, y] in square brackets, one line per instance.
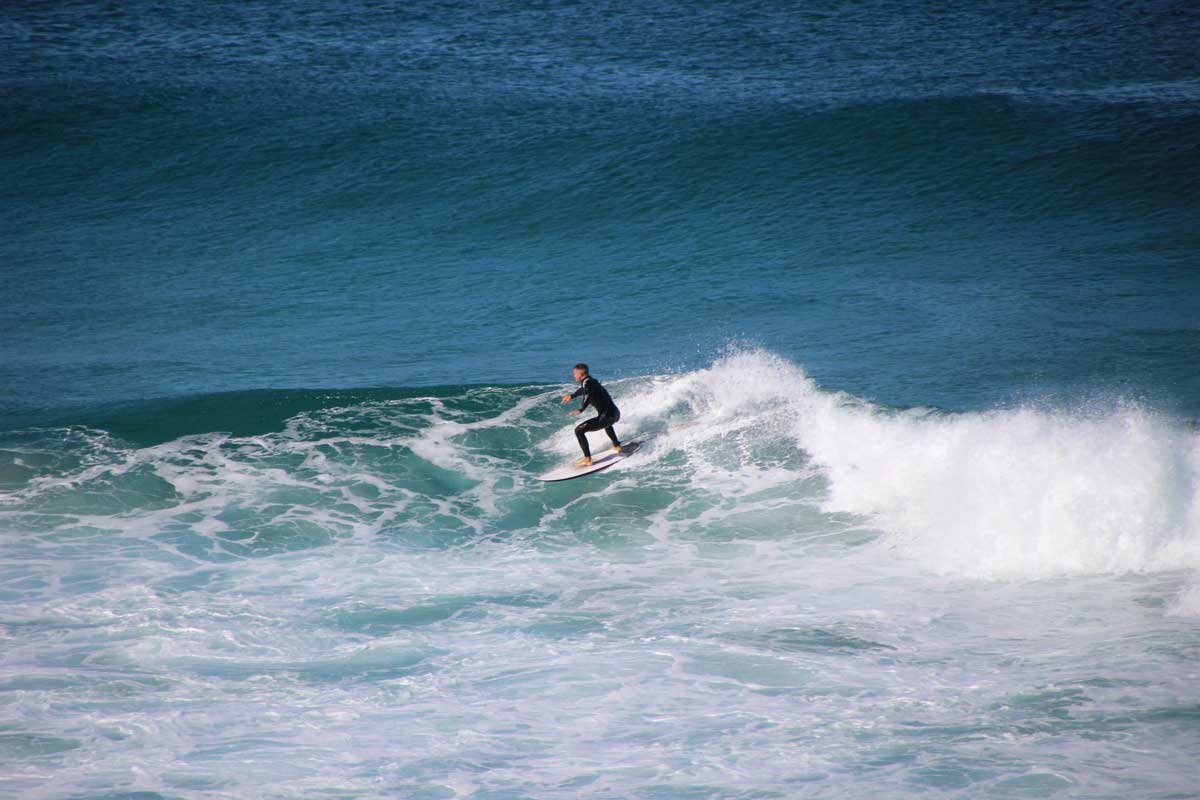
[583, 367]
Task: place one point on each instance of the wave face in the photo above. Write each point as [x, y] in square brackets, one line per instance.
[789, 587]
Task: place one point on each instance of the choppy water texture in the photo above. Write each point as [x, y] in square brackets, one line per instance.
[910, 297]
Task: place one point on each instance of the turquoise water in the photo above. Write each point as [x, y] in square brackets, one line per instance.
[911, 297]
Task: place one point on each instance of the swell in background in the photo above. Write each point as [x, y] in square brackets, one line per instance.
[955, 207]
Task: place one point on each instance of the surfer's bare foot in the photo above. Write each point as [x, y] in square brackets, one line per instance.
[616, 448]
[583, 462]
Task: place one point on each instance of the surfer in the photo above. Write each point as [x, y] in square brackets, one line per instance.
[607, 412]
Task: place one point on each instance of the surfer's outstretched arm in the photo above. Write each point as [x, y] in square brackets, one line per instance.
[585, 391]
[582, 390]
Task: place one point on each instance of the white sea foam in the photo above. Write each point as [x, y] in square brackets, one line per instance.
[751, 601]
[1020, 492]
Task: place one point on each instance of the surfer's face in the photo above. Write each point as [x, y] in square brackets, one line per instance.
[579, 375]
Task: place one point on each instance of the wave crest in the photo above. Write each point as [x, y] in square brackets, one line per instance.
[1023, 491]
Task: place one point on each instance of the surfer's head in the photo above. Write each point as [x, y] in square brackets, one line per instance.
[581, 371]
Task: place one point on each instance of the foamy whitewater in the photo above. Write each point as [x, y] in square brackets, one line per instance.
[790, 592]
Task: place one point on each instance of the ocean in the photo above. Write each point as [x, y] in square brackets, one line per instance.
[909, 295]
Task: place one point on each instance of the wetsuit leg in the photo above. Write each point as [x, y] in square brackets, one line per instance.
[612, 434]
[581, 435]
[593, 424]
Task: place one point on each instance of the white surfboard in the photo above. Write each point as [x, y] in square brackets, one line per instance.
[598, 463]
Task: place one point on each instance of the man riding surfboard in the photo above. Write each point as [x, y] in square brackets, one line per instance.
[607, 412]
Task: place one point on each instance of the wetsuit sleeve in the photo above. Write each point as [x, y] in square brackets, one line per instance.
[584, 390]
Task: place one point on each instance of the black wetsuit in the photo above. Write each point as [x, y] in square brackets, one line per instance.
[597, 397]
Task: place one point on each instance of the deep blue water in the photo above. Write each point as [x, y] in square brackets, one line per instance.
[289, 289]
[954, 208]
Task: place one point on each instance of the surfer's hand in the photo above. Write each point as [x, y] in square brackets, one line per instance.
[566, 399]
[574, 413]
